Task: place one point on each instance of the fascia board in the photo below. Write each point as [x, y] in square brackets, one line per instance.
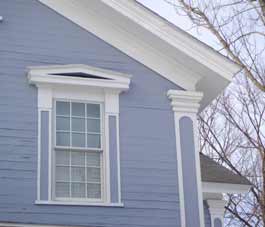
[212, 187]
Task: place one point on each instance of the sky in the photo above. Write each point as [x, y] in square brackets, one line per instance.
[168, 12]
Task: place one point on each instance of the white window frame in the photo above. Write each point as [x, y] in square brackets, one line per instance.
[101, 150]
[106, 90]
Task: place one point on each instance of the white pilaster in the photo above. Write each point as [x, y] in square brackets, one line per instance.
[216, 208]
[186, 103]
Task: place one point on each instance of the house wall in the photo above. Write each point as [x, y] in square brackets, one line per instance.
[31, 35]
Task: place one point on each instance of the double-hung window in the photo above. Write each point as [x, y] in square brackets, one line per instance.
[78, 150]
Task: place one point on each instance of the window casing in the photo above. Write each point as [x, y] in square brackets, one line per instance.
[65, 147]
[78, 150]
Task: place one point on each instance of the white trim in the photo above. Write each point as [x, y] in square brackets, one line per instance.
[212, 187]
[50, 156]
[118, 156]
[76, 203]
[198, 167]
[52, 87]
[39, 154]
[42, 75]
[155, 39]
[216, 209]
[9, 224]
[175, 36]
[77, 68]
[70, 148]
[107, 160]
[180, 173]
[186, 103]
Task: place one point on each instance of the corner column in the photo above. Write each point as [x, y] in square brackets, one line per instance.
[216, 208]
[185, 105]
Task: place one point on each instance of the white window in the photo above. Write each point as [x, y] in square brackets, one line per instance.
[78, 150]
[75, 103]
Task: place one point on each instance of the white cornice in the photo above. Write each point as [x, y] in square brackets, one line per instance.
[175, 36]
[185, 101]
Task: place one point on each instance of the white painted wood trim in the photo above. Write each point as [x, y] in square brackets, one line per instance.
[186, 103]
[107, 160]
[77, 68]
[175, 36]
[216, 209]
[50, 156]
[9, 224]
[180, 173]
[39, 154]
[118, 155]
[74, 203]
[211, 187]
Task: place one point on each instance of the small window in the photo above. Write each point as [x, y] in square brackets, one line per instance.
[78, 150]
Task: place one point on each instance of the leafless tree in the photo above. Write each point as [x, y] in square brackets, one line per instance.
[233, 127]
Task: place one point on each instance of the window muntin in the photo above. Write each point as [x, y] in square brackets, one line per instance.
[78, 125]
[78, 152]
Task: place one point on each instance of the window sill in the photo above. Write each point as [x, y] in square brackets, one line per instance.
[74, 203]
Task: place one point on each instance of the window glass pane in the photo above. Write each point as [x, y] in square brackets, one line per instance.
[62, 108]
[63, 123]
[78, 190]
[93, 174]
[94, 191]
[93, 110]
[78, 140]
[78, 158]
[78, 124]
[78, 174]
[93, 158]
[62, 173]
[93, 125]
[62, 138]
[62, 157]
[78, 109]
[93, 141]
[62, 189]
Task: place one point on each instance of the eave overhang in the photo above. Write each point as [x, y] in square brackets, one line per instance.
[212, 187]
[152, 41]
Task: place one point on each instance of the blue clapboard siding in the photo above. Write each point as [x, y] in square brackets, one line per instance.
[114, 182]
[191, 201]
[33, 34]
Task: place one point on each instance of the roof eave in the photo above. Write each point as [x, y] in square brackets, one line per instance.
[213, 187]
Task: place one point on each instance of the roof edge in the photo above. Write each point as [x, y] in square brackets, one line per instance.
[212, 187]
[177, 37]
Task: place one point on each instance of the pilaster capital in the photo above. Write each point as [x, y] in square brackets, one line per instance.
[185, 101]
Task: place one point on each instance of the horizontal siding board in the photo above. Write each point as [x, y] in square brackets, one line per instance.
[32, 35]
